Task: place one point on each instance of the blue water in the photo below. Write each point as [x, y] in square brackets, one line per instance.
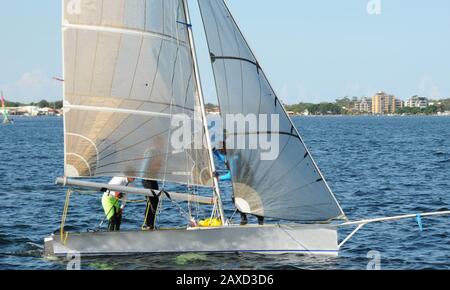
[377, 166]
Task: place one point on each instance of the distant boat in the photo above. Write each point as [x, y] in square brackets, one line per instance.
[6, 119]
[128, 70]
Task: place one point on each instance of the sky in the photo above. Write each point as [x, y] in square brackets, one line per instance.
[312, 51]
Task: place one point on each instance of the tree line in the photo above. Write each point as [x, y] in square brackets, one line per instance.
[345, 105]
[41, 104]
[317, 109]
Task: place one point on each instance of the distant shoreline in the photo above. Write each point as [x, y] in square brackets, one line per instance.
[34, 117]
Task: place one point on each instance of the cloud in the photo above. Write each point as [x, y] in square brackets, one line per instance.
[284, 92]
[429, 88]
[295, 94]
[356, 89]
[33, 86]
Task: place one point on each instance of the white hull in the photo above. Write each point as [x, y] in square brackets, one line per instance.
[269, 239]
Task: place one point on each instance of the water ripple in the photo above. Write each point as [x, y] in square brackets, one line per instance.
[376, 167]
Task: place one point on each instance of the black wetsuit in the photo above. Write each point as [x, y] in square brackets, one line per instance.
[152, 204]
[115, 221]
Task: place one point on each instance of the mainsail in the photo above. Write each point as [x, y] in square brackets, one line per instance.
[128, 72]
[290, 187]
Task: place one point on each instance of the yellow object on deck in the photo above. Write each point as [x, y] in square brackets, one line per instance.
[210, 223]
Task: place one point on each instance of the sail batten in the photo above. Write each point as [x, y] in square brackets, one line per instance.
[123, 31]
[291, 187]
[129, 77]
[122, 111]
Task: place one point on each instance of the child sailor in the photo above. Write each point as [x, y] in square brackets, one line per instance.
[110, 202]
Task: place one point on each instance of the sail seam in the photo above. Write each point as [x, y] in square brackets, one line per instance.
[287, 173]
[83, 159]
[133, 82]
[269, 170]
[140, 106]
[174, 72]
[136, 159]
[131, 146]
[151, 94]
[87, 139]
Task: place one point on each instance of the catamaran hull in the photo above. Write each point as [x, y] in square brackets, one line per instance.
[270, 239]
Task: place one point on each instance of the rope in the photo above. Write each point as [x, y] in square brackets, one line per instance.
[187, 215]
[136, 201]
[230, 220]
[93, 192]
[214, 213]
[182, 211]
[146, 214]
[160, 206]
[149, 205]
[197, 208]
[63, 235]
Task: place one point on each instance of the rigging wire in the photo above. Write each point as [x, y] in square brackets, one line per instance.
[175, 27]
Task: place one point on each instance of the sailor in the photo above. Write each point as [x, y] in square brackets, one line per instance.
[152, 204]
[221, 155]
[110, 202]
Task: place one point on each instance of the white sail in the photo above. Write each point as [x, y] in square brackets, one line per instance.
[4, 111]
[290, 187]
[128, 70]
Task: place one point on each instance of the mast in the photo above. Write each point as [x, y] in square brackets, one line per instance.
[202, 105]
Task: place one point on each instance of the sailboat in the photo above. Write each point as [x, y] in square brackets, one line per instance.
[6, 119]
[130, 70]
